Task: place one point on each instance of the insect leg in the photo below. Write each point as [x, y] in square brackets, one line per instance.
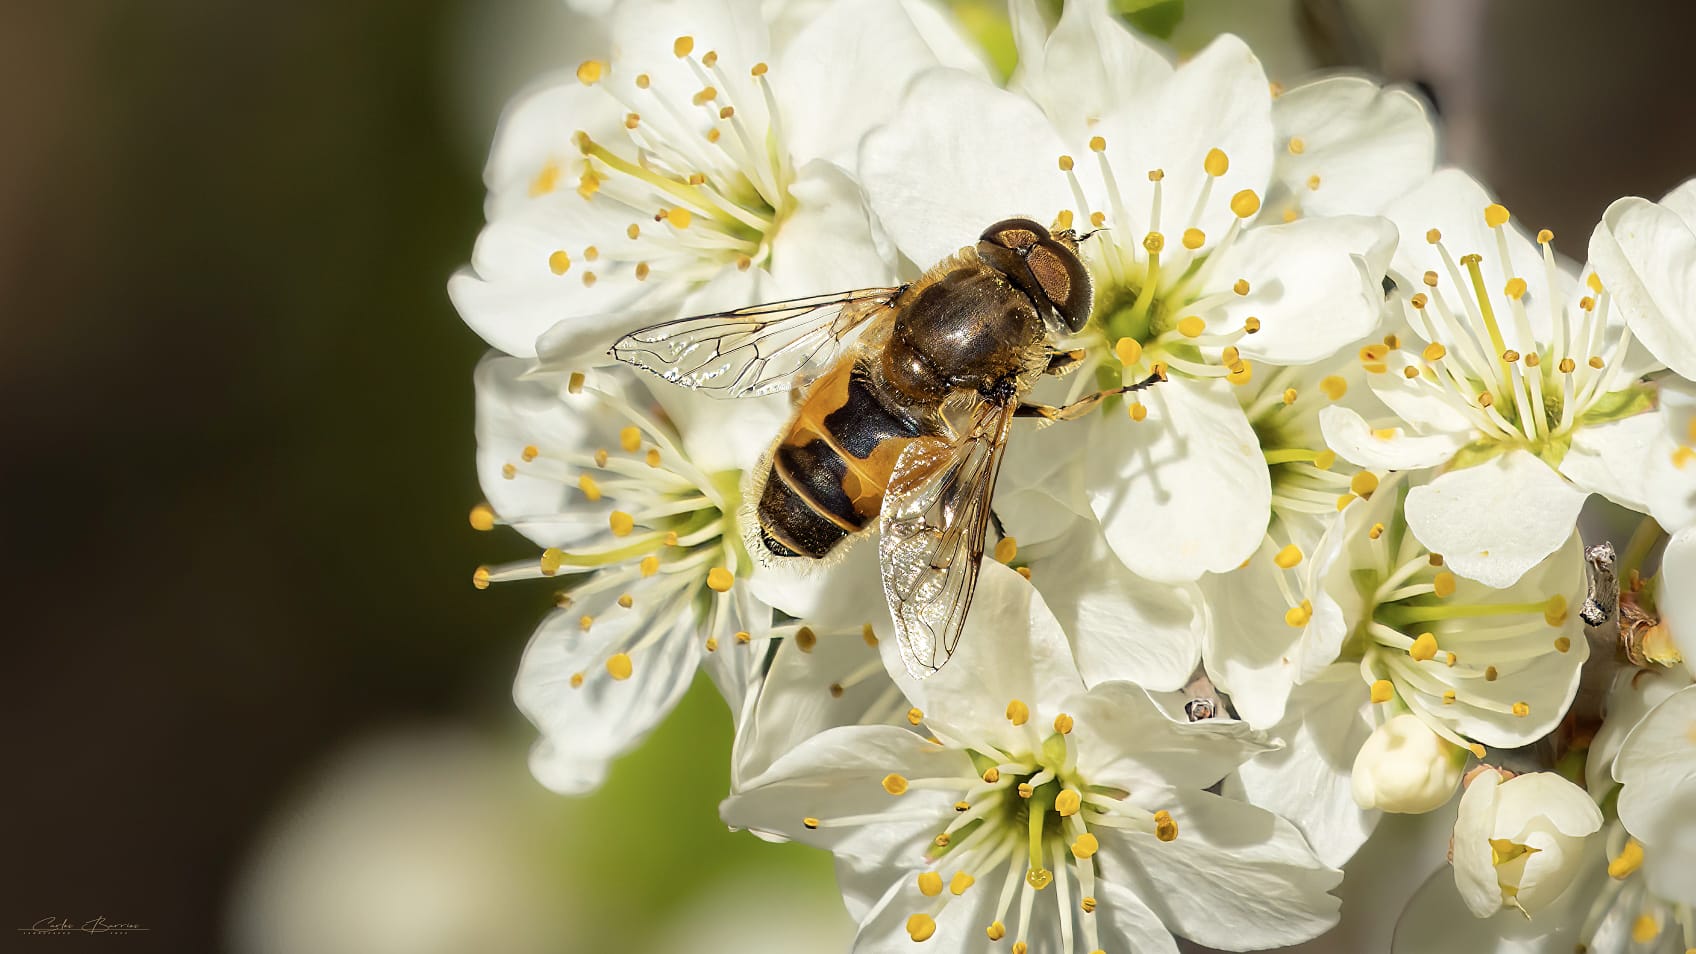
[1064, 362]
[1077, 409]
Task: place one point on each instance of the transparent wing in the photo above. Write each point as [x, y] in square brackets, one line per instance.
[754, 350]
[935, 514]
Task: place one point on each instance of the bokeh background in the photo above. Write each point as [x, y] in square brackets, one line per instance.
[252, 702]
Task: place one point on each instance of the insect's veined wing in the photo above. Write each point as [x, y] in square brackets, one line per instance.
[934, 517]
[754, 350]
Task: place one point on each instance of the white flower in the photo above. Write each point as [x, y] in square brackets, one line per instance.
[1520, 842]
[644, 540]
[1057, 818]
[685, 159]
[1656, 768]
[1523, 389]
[1405, 767]
[1646, 255]
[1669, 479]
[1171, 163]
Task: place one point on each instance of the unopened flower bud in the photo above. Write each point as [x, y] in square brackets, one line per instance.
[1520, 842]
[1405, 767]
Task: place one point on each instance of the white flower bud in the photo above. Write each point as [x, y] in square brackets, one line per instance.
[1405, 767]
[1520, 842]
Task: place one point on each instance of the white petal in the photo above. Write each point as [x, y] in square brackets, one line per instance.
[1437, 919]
[1495, 520]
[1012, 647]
[1249, 880]
[1475, 875]
[1675, 594]
[1127, 924]
[535, 146]
[1669, 481]
[1347, 433]
[959, 156]
[1124, 739]
[1082, 70]
[1608, 458]
[1121, 625]
[1367, 144]
[844, 590]
[1218, 99]
[1657, 767]
[839, 773]
[512, 292]
[842, 75]
[1190, 476]
[959, 927]
[827, 243]
[1646, 256]
[1635, 692]
[1549, 797]
[1315, 284]
[1308, 780]
[585, 727]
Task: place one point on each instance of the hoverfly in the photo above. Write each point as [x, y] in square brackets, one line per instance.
[909, 395]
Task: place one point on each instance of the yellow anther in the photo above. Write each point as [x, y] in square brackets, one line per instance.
[958, 884]
[1434, 352]
[1595, 362]
[706, 95]
[482, 517]
[1645, 928]
[1430, 279]
[1433, 236]
[576, 680]
[930, 884]
[1562, 644]
[1334, 387]
[1485, 399]
[643, 270]
[1241, 373]
[1138, 411]
[1155, 175]
[894, 784]
[480, 578]
[712, 647]
[1063, 724]
[1587, 303]
[1085, 846]
[1448, 697]
[1006, 549]
[1018, 713]
[1297, 146]
[1383, 691]
[996, 931]
[559, 262]
[1410, 372]
[551, 560]
[621, 523]
[1191, 326]
[760, 69]
[992, 775]
[1154, 243]
[810, 823]
[591, 253]
[1595, 282]
[1097, 144]
[1298, 616]
[920, 927]
[630, 438]
[941, 841]
[1496, 215]
[1515, 288]
[1554, 611]
[632, 120]
[1037, 878]
[1068, 802]
[589, 72]
[1419, 301]
[1521, 709]
[1087, 905]
[1065, 163]
[1533, 359]
[1288, 557]
[1289, 396]
[1062, 220]
[627, 601]
[1025, 790]
[1313, 182]
[1245, 203]
[915, 715]
[1325, 460]
[508, 471]
[1443, 584]
[619, 666]
[1490, 674]
[1629, 860]
[679, 217]
[683, 46]
[1251, 325]
[1128, 350]
[962, 806]
[1364, 483]
[713, 134]
[1240, 286]
[1165, 828]
[589, 279]
[1376, 531]
[642, 81]
[1098, 219]
[806, 639]
[719, 579]
[574, 384]
[1217, 163]
[744, 637]
[1194, 238]
[591, 489]
[1435, 559]
[1544, 236]
[585, 622]
[1424, 648]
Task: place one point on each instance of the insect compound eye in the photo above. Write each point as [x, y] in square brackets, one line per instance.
[1063, 280]
[1017, 234]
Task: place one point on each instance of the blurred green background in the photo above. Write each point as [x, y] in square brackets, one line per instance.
[253, 702]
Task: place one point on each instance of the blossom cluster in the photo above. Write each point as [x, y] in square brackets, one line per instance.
[1328, 568]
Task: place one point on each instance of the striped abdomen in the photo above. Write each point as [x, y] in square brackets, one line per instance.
[829, 470]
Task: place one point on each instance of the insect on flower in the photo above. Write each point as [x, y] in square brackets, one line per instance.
[908, 397]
